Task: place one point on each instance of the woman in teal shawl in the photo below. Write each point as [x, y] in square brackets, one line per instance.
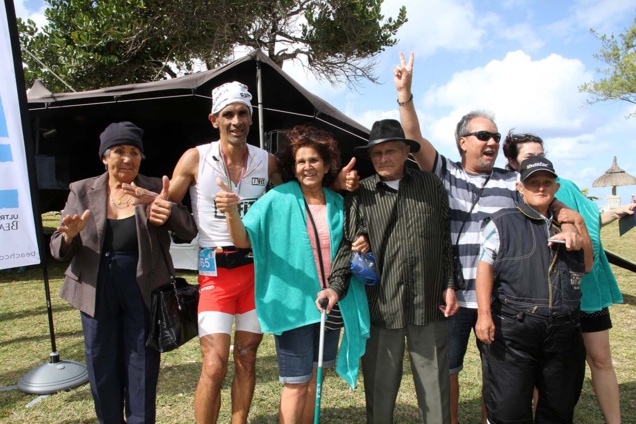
[294, 231]
[599, 288]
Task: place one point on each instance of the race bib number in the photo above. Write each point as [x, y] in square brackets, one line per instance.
[207, 261]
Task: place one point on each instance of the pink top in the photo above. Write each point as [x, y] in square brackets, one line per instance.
[319, 212]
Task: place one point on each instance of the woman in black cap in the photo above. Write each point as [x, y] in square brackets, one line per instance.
[116, 261]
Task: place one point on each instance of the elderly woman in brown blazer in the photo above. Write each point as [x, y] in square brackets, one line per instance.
[116, 261]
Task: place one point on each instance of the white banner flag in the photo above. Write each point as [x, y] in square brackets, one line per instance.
[18, 241]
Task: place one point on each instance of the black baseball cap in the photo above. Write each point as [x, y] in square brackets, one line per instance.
[535, 164]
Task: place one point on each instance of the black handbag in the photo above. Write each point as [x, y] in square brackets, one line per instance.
[173, 313]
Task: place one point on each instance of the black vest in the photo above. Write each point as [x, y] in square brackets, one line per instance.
[530, 276]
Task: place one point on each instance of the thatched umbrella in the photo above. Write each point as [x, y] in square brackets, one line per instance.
[614, 177]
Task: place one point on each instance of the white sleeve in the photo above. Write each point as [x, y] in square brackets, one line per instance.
[489, 241]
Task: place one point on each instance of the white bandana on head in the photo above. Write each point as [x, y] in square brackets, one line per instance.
[228, 93]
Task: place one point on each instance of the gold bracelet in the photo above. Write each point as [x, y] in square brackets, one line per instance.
[233, 215]
[410, 99]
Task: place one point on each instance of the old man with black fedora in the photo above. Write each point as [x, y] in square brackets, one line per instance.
[404, 212]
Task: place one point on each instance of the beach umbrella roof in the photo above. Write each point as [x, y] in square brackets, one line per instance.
[614, 177]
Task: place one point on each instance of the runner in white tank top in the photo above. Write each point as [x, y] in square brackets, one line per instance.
[211, 222]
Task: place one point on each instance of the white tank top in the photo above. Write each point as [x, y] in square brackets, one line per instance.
[210, 221]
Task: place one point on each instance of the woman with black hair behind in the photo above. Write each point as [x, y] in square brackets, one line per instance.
[599, 288]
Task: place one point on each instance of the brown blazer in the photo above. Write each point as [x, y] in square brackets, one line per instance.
[80, 279]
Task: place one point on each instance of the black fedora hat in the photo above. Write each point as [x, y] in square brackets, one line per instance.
[386, 130]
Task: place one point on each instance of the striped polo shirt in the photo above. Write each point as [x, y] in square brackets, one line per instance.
[463, 188]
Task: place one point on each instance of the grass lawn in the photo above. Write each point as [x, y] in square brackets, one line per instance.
[24, 344]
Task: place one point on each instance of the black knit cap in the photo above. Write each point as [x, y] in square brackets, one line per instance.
[119, 133]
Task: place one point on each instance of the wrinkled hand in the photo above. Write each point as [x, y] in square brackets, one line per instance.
[621, 211]
[329, 295]
[142, 196]
[485, 328]
[361, 244]
[568, 216]
[403, 73]
[450, 305]
[71, 225]
[348, 178]
[160, 209]
[573, 241]
[226, 201]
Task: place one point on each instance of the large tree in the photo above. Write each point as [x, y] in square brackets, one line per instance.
[619, 78]
[92, 44]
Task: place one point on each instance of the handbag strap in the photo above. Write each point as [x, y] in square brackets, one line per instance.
[313, 223]
[472, 207]
[173, 279]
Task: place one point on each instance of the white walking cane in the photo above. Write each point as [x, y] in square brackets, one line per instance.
[321, 347]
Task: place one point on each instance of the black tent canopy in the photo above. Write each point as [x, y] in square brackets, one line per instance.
[173, 114]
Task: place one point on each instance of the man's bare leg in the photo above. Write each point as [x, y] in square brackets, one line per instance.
[245, 347]
[454, 401]
[207, 398]
[454, 398]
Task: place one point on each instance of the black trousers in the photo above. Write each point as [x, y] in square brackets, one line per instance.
[122, 371]
[529, 351]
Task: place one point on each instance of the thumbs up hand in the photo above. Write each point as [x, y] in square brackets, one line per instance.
[348, 178]
[160, 209]
[227, 201]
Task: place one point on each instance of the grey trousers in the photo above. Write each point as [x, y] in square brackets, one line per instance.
[382, 371]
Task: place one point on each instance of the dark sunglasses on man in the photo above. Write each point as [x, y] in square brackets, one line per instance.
[485, 135]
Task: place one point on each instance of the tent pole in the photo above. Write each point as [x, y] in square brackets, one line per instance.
[259, 88]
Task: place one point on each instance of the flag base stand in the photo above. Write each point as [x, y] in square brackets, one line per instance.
[55, 376]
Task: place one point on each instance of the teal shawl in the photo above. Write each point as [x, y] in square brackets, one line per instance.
[599, 288]
[286, 277]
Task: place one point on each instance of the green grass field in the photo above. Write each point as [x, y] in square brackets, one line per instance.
[24, 344]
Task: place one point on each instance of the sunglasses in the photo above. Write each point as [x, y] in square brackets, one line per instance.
[485, 135]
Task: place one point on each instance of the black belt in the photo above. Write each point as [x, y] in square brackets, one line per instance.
[233, 257]
[499, 306]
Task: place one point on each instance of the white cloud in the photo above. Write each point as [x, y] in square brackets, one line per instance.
[298, 71]
[439, 24]
[24, 11]
[602, 15]
[368, 117]
[521, 91]
[524, 34]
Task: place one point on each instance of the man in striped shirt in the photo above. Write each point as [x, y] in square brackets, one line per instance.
[476, 189]
[404, 213]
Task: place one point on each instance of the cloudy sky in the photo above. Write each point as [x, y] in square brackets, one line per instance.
[523, 60]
